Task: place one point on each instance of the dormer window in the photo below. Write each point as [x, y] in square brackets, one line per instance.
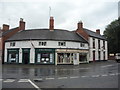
[12, 44]
[61, 43]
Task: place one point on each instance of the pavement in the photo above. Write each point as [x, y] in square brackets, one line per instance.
[93, 75]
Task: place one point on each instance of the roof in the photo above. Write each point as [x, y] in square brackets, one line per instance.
[46, 34]
[8, 31]
[94, 34]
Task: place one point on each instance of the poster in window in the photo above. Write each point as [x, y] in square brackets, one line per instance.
[51, 57]
[38, 57]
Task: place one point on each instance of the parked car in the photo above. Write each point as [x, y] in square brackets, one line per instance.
[117, 57]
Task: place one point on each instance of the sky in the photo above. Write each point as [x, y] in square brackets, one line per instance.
[95, 14]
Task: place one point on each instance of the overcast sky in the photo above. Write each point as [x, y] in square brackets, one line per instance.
[95, 14]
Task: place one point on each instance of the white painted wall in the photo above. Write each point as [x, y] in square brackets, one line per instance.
[50, 44]
[96, 49]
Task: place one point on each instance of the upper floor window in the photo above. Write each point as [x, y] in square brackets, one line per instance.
[99, 44]
[42, 43]
[82, 44]
[12, 44]
[61, 43]
[93, 43]
[103, 44]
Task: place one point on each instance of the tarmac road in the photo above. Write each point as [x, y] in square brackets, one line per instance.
[93, 75]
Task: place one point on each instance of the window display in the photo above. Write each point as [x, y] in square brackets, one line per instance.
[44, 56]
[65, 58]
[13, 56]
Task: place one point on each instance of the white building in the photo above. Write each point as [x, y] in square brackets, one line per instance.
[98, 49]
[46, 46]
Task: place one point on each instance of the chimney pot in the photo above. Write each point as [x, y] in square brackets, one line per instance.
[98, 31]
[51, 23]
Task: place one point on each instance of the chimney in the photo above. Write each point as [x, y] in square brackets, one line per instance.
[98, 31]
[51, 24]
[80, 25]
[5, 27]
[21, 24]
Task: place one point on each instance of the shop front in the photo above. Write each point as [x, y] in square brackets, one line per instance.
[67, 56]
[44, 56]
[13, 55]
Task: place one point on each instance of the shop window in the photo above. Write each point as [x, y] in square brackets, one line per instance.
[82, 44]
[13, 57]
[65, 58]
[12, 44]
[45, 58]
[82, 57]
[61, 43]
[42, 43]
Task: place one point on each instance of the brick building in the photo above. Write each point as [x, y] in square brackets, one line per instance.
[6, 33]
[98, 49]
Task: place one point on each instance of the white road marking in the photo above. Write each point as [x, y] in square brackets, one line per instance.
[95, 75]
[9, 80]
[39, 79]
[23, 80]
[75, 77]
[62, 77]
[112, 74]
[106, 66]
[74, 69]
[84, 68]
[34, 84]
[49, 78]
[104, 75]
[1, 79]
[84, 76]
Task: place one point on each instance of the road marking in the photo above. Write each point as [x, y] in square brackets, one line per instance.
[34, 84]
[84, 68]
[112, 74]
[84, 76]
[38, 79]
[49, 78]
[75, 77]
[106, 66]
[95, 75]
[74, 69]
[23, 80]
[62, 78]
[9, 80]
[1, 79]
[104, 75]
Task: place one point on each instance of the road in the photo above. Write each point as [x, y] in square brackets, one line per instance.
[93, 75]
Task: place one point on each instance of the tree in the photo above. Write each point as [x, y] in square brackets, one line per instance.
[112, 33]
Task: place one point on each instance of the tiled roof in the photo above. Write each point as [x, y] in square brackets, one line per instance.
[46, 34]
[94, 34]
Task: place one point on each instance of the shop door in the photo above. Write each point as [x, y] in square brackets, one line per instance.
[25, 58]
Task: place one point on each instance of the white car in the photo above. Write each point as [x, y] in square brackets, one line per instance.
[117, 57]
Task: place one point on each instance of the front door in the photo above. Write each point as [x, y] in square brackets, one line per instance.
[25, 57]
[93, 56]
